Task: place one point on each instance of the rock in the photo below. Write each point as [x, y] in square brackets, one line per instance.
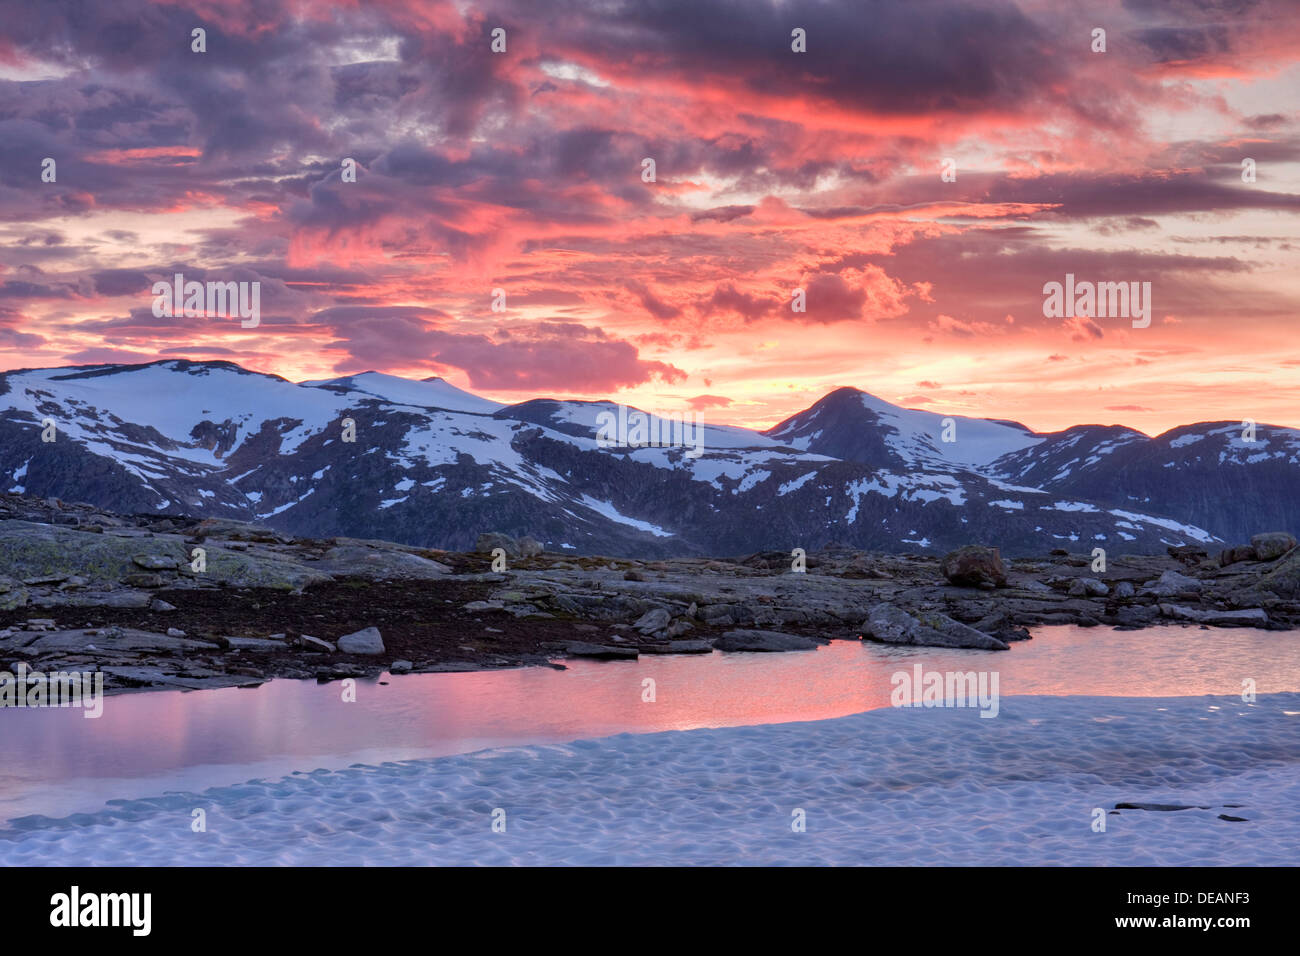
[974, 566]
[175, 632]
[307, 642]
[365, 641]
[892, 625]
[750, 640]
[401, 667]
[529, 547]
[1124, 589]
[1172, 583]
[1032, 585]
[384, 564]
[158, 604]
[1272, 544]
[655, 619]
[489, 541]
[600, 651]
[154, 562]
[1251, 617]
[1189, 554]
[678, 647]
[677, 628]
[718, 614]
[144, 579]
[1234, 555]
[633, 575]
[1088, 587]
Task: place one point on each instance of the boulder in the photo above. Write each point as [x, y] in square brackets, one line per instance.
[1124, 589]
[489, 541]
[365, 641]
[1088, 587]
[1171, 583]
[1272, 544]
[750, 640]
[1283, 578]
[892, 625]
[655, 619]
[1237, 554]
[529, 547]
[974, 566]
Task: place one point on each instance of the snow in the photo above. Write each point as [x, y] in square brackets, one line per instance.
[609, 511]
[796, 484]
[429, 393]
[1009, 505]
[1196, 534]
[919, 434]
[918, 786]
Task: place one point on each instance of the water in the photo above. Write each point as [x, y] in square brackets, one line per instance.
[56, 762]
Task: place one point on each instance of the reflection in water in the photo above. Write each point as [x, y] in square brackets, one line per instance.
[56, 762]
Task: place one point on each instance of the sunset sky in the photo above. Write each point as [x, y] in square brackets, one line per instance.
[775, 170]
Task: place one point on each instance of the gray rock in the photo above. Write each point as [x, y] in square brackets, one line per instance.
[155, 562]
[1252, 617]
[1172, 583]
[600, 651]
[893, 625]
[655, 619]
[158, 604]
[750, 640]
[1124, 589]
[678, 647]
[1272, 544]
[717, 614]
[1088, 587]
[385, 564]
[529, 547]
[365, 641]
[307, 642]
[401, 667]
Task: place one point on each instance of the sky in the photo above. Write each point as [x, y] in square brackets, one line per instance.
[503, 230]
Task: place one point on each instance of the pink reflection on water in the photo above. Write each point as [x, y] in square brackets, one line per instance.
[288, 725]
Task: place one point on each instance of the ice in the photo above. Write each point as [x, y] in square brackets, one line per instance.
[887, 787]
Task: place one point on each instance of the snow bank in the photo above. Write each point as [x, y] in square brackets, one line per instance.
[883, 787]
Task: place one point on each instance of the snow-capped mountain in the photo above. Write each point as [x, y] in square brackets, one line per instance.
[434, 465]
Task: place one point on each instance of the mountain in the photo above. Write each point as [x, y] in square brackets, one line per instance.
[434, 465]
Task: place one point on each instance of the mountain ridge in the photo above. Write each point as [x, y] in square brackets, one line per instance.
[433, 465]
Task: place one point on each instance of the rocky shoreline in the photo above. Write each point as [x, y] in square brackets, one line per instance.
[172, 602]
